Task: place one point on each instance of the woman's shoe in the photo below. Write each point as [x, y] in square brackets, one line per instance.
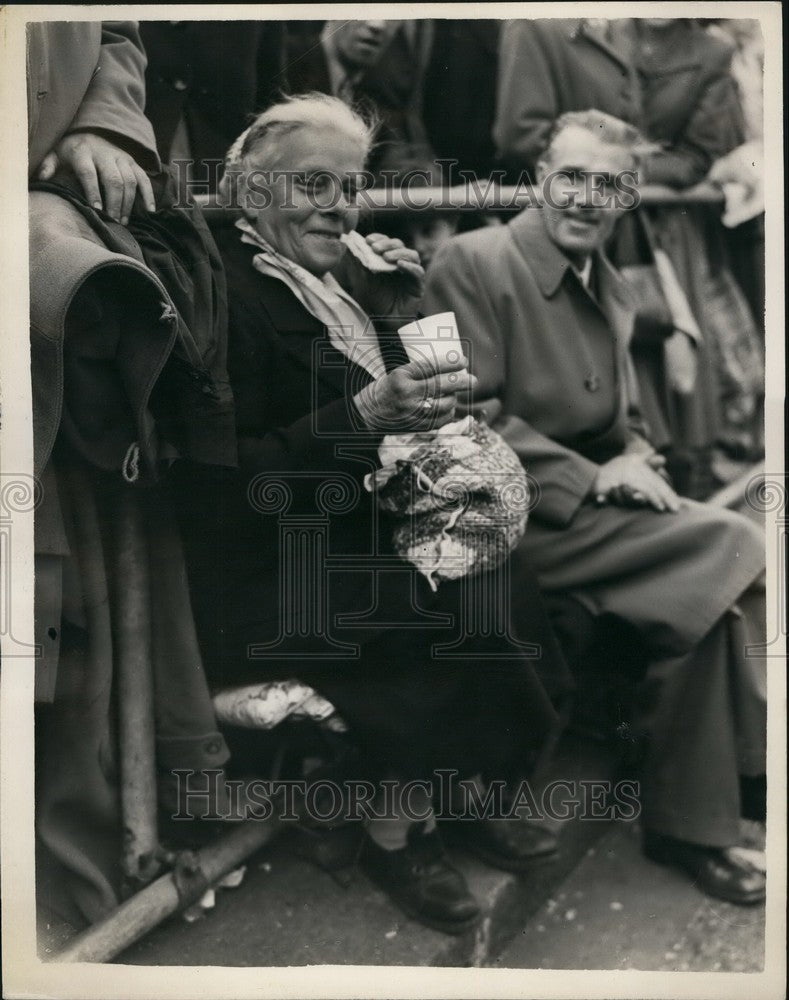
[512, 845]
[422, 882]
[713, 869]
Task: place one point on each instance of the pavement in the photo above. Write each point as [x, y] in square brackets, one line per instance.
[617, 910]
[289, 912]
[602, 905]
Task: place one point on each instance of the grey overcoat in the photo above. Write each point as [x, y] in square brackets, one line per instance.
[553, 371]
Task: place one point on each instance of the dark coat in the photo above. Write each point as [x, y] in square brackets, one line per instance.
[127, 346]
[551, 359]
[690, 102]
[128, 331]
[88, 76]
[392, 87]
[460, 92]
[214, 74]
[292, 573]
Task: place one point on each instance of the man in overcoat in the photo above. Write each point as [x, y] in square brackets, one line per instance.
[547, 319]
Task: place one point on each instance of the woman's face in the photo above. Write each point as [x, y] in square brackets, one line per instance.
[315, 173]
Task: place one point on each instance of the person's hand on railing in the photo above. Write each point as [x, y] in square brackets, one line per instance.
[110, 177]
[739, 175]
[633, 480]
[414, 397]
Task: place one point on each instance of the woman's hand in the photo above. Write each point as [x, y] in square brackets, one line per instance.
[414, 397]
[633, 480]
[394, 293]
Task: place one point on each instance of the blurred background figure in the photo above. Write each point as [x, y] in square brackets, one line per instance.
[375, 65]
[460, 92]
[204, 80]
[692, 108]
[740, 172]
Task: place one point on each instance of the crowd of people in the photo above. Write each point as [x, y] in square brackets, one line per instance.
[240, 382]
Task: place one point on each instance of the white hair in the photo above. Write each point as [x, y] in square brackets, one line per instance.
[313, 110]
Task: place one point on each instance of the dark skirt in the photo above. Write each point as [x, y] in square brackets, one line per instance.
[455, 679]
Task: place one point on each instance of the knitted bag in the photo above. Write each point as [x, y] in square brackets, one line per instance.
[459, 498]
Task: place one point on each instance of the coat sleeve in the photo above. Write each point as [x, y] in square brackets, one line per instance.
[526, 100]
[114, 103]
[715, 128]
[563, 476]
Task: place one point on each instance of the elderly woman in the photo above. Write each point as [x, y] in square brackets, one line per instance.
[291, 563]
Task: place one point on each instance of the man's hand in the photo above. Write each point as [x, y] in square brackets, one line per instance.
[414, 397]
[388, 294]
[633, 480]
[103, 170]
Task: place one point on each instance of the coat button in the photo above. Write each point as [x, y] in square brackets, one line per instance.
[592, 382]
[180, 84]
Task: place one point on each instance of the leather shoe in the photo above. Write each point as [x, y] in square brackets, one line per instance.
[713, 869]
[422, 882]
[513, 845]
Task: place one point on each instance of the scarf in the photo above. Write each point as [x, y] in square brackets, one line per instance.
[349, 328]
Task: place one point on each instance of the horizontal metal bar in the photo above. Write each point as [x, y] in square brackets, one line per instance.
[159, 900]
[479, 197]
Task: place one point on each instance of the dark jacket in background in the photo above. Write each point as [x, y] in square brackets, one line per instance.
[690, 101]
[393, 86]
[214, 74]
[460, 92]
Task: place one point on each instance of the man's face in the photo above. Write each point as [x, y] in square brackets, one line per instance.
[360, 43]
[581, 201]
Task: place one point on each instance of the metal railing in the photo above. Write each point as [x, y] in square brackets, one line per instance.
[478, 196]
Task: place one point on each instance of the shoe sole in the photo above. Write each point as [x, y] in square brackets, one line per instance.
[752, 899]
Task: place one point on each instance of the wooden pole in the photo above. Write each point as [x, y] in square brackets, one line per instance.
[159, 900]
